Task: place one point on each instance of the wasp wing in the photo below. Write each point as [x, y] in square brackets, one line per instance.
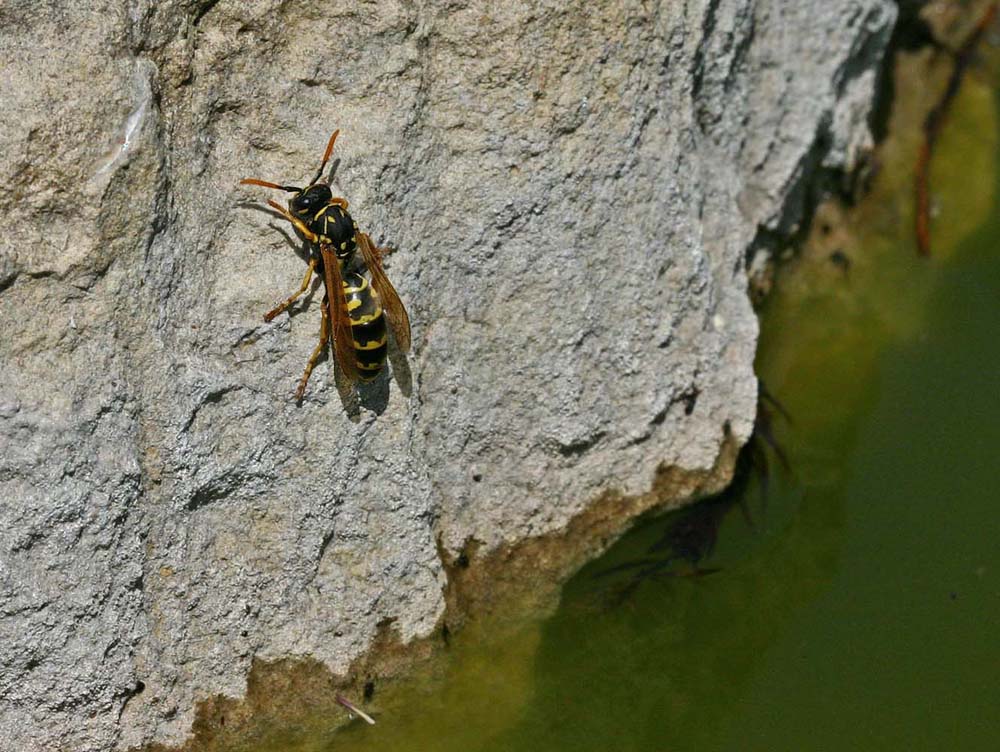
[399, 320]
[343, 339]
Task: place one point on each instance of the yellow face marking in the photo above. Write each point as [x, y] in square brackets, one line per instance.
[375, 344]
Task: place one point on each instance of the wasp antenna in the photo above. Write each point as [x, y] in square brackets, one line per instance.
[265, 184]
[326, 155]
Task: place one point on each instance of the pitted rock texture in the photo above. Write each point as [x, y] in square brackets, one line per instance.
[572, 188]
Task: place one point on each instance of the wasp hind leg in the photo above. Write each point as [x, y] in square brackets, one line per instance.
[324, 338]
[270, 315]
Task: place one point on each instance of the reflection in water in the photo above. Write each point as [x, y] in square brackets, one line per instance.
[665, 667]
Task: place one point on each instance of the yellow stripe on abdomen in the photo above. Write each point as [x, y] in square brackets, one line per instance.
[374, 344]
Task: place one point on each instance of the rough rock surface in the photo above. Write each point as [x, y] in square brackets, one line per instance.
[573, 188]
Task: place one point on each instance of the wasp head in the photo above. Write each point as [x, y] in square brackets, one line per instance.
[309, 200]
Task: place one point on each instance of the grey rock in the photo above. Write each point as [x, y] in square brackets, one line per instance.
[572, 189]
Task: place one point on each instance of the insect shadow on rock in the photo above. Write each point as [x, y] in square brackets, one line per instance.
[355, 311]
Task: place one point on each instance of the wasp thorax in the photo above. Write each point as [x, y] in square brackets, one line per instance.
[336, 228]
[311, 199]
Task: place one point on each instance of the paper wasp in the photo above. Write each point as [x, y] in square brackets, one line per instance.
[354, 311]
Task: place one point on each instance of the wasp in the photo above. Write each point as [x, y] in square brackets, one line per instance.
[355, 311]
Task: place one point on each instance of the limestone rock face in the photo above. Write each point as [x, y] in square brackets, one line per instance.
[572, 189]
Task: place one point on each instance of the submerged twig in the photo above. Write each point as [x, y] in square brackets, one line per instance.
[934, 123]
[352, 708]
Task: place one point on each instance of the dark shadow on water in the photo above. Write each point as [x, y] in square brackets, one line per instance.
[689, 535]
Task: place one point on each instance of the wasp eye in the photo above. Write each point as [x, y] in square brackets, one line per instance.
[311, 198]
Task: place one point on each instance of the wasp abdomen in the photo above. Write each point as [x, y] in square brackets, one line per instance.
[367, 325]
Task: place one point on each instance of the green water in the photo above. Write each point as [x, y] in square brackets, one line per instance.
[855, 605]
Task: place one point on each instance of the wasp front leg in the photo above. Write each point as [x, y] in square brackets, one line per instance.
[269, 316]
[308, 234]
[324, 338]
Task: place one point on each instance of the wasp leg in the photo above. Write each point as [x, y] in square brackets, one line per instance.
[324, 338]
[308, 234]
[305, 286]
[381, 251]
